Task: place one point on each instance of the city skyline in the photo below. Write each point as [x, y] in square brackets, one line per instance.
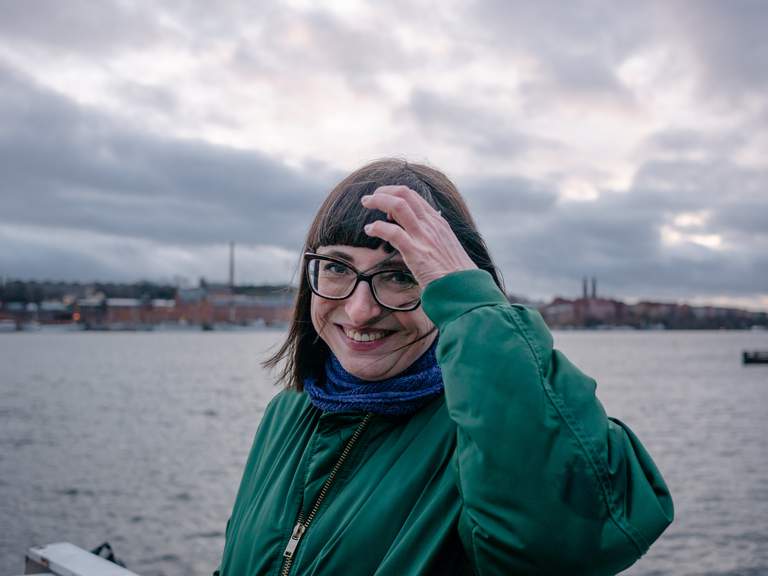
[588, 291]
[610, 139]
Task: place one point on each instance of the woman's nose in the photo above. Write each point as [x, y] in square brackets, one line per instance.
[361, 307]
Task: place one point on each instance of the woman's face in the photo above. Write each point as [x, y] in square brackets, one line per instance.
[340, 323]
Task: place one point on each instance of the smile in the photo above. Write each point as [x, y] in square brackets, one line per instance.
[364, 336]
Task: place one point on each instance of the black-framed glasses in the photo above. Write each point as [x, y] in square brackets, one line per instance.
[334, 279]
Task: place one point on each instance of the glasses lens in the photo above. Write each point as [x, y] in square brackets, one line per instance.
[330, 279]
[396, 289]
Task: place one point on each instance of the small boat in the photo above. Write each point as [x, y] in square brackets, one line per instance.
[755, 357]
[65, 559]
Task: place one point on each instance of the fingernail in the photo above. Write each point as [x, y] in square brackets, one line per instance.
[367, 228]
[365, 199]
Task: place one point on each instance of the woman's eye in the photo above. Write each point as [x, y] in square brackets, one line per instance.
[335, 268]
[404, 278]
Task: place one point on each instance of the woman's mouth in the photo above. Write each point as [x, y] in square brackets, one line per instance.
[364, 339]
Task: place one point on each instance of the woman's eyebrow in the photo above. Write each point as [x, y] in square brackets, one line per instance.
[339, 254]
[393, 260]
[389, 262]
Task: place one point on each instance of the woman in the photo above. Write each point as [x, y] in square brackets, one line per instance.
[427, 425]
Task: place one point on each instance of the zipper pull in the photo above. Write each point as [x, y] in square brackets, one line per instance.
[298, 532]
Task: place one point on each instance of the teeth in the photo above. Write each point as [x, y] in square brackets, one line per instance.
[364, 336]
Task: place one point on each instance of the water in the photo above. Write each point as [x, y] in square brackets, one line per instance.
[140, 439]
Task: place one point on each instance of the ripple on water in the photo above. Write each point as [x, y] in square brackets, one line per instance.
[211, 534]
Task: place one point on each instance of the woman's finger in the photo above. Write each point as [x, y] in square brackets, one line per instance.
[396, 208]
[416, 202]
[393, 234]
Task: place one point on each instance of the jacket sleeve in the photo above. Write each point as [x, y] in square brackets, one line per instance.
[549, 483]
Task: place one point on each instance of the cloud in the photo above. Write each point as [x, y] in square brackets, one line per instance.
[316, 41]
[461, 122]
[727, 41]
[78, 26]
[69, 166]
[495, 195]
[78, 255]
[575, 46]
[636, 243]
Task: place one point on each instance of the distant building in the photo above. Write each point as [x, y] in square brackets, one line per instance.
[204, 306]
[211, 305]
[583, 312]
[560, 312]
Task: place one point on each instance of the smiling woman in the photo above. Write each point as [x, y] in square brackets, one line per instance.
[338, 230]
[375, 331]
[427, 425]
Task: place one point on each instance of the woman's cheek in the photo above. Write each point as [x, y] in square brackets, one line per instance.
[321, 312]
[316, 314]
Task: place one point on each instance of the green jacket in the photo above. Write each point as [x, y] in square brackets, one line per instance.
[516, 470]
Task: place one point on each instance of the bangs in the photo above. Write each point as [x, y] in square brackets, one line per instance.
[343, 220]
[342, 224]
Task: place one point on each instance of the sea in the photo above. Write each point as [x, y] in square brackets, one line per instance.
[139, 439]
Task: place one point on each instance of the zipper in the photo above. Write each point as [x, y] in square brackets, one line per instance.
[302, 524]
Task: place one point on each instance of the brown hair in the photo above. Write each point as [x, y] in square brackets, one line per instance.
[340, 221]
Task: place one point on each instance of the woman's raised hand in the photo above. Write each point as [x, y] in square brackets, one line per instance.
[423, 237]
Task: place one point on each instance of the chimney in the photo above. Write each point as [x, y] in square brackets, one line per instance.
[231, 265]
[584, 287]
[594, 287]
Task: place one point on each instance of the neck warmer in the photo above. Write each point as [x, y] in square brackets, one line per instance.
[403, 394]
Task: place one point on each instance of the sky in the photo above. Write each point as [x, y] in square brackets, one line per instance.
[618, 139]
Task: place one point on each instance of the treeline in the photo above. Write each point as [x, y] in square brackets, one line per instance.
[266, 290]
[34, 291]
[733, 321]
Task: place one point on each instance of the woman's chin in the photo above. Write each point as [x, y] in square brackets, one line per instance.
[387, 360]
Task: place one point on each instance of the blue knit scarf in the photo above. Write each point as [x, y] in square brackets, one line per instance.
[403, 394]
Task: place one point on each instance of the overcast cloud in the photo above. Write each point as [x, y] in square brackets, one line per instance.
[623, 140]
